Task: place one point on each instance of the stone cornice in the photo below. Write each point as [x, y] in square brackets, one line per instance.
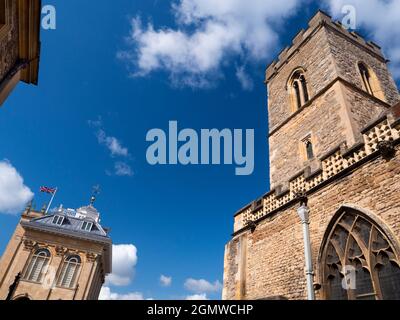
[322, 92]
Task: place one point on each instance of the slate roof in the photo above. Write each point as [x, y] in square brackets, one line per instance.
[71, 226]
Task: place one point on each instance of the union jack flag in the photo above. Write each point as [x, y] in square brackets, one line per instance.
[48, 190]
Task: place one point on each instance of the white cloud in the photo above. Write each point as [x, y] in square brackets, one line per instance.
[202, 286]
[14, 195]
[165, 281]
[244, 79]
[207, 35]
[107, 294]
[202, 296]
[124, 259]
[113, 144]
[381, 19]
[123, 169]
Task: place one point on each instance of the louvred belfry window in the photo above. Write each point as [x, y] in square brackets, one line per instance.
[359, 262]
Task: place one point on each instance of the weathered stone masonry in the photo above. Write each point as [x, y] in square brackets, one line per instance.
[354, 135]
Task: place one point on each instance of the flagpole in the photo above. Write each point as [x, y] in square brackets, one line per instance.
[51, 200]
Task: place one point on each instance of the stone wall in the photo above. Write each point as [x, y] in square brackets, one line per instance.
[328, 54]
[315, 59]
[347, 54]
[349, 129]
[9, 40]
[275, 256]
[286, 159]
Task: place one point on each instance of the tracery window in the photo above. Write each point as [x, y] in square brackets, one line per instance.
[37, 266]
[69, 272]
[298, 90]
[359, 262]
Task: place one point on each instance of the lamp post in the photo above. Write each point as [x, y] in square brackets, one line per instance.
[304, 213]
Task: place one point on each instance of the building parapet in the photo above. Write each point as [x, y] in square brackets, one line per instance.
[319, 20]
[379, 137]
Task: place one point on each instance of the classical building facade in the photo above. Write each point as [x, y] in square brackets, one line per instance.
[334, 137]
[19, 44]
[64, 255]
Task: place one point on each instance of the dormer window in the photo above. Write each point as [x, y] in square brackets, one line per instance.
[87, 226]
[298, 90]
[58, 220]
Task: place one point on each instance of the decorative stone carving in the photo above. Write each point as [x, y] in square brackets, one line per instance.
[387, 150]
[252, 225]
[91, 257]
[29, 245]
[60, 251]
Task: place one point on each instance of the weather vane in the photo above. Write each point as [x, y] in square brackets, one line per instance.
[95, 192]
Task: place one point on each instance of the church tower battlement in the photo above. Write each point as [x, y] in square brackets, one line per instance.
[334, 137]
[323, 91]
[330, 98]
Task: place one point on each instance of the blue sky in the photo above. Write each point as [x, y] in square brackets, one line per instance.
[178, 217]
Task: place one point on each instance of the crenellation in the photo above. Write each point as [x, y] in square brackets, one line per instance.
[332, 164]
[321, 19]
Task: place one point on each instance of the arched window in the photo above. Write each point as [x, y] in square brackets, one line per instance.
[298, 90]
[366, 77]
[358, 261]
[309, 150]
[37, 266]
[370, 81]
[304, 88]
[69, 272]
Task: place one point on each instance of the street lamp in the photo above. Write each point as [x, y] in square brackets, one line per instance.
[304, 213]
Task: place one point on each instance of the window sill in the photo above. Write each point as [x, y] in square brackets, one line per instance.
[32, 282]
[65, 288]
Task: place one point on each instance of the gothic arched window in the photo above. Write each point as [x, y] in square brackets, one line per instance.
[359, 261]
[366, 77]
[370, 81]
[37, 266]
[69, 272]
[298, 90]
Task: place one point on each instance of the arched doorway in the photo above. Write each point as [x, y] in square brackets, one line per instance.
[358, 260]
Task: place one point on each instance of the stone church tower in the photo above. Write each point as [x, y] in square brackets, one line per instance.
[334, 135]
[64, 255]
